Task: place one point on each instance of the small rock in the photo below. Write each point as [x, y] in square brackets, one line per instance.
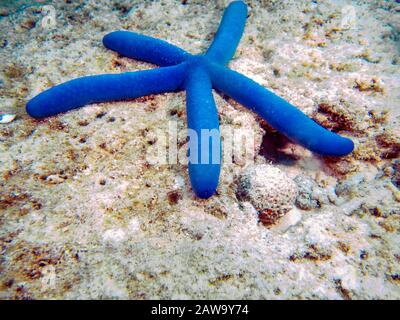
[350, 207]
[269, 190]
[350, 185]
[114, 235]
[55, 179]
[332, 197]
[4, 12]
[7, 118]
[290, 219]
[304, 198]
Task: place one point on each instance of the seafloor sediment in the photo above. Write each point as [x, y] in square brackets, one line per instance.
[84, 215]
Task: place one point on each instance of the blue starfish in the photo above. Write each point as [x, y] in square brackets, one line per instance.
[197, 74]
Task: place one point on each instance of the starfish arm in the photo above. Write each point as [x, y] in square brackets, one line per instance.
[140, 47]
[283, 116]
[229, 33]
[107, 87]
[202, 118]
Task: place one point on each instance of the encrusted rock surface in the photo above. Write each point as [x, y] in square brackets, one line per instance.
[83, 214]
[268, 189]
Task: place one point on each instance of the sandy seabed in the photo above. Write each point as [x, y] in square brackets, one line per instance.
[84, 215]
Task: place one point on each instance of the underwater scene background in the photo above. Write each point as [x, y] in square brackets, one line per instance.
[94, 206]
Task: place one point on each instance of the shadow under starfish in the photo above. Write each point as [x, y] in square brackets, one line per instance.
[197, 75]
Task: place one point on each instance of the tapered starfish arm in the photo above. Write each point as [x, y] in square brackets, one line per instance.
[107, 87]
[229, 33]
[203, 131]
[283, 116]
[140, 47]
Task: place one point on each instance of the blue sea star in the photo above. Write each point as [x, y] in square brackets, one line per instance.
[198, 75]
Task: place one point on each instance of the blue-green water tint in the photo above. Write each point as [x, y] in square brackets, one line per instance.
[13, 7]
